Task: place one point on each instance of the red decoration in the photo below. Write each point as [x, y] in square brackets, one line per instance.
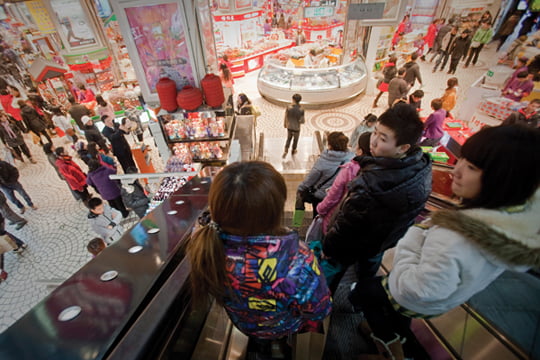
[166, 89]
[189, 98]
[212, 90]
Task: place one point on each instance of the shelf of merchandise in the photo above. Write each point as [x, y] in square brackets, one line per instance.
[224, 141]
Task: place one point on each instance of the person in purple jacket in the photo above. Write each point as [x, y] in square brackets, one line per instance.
[433, 131]
[268, 281]
[520, 87]
[98, 178]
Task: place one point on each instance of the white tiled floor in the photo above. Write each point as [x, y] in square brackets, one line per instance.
[57, 232]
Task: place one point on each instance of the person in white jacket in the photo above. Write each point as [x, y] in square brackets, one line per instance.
[105, 220]
[443, 262]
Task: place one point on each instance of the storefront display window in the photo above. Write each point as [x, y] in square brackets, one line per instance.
[248, 31]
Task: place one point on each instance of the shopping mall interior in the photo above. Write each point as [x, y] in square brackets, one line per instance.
[122, 51]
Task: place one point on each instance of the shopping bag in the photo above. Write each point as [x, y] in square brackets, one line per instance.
[315, 230]
[298, 217]
[6, 244]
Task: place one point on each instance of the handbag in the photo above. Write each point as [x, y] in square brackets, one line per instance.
[6, 244]
[475, 44]
[315, 230]
[308, 194]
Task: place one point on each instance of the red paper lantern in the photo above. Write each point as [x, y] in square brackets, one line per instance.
[166, 89]
[212, 90]
[189, 98]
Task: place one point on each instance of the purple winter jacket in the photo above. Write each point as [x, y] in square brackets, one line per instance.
[99, 178]
[434, 123]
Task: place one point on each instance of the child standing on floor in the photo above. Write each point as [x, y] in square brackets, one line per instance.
[449, 97]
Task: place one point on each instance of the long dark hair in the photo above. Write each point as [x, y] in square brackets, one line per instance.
[509, 157]
[245, 199]
[225, 71]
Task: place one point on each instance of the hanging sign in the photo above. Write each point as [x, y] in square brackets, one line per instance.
[366, 11]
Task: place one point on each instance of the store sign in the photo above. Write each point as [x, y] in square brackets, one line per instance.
[366, 11]
[318, 11]
[238, 17]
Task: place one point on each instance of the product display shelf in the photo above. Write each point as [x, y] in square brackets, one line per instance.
[192, 144]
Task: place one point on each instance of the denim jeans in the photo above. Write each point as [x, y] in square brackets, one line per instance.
[10, 189]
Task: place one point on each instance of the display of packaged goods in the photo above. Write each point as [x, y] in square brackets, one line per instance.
[200, 151]
[439, 156]
[194, 125]
[499, 107]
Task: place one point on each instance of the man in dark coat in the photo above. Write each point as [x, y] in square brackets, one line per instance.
[77, 111]
[35, 122]
[459, 50]
[92, 134]
[385, 197]
[412, 72]
[121, 148]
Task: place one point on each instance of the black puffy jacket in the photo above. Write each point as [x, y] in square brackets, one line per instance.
[383, 201]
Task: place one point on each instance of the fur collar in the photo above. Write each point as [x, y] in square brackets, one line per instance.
[510, 234]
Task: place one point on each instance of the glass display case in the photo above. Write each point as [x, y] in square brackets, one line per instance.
[317, 86]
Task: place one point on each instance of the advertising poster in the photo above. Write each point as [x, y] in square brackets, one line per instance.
[158, 34]
[41, 16]
[74, 25]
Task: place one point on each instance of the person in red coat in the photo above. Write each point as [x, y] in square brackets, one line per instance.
[72, 173]
[430, 36]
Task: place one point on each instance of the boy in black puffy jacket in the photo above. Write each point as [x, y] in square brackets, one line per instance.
[388, 193]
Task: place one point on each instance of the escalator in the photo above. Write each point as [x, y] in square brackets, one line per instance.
[146, 311]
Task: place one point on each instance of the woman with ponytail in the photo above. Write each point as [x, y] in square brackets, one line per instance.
[266, 278]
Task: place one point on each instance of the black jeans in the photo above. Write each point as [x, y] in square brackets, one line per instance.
[364, 268]
[44, 133]
[370, 295]
[22, 149]
[473, 55]
[118, 204]
[292, 134]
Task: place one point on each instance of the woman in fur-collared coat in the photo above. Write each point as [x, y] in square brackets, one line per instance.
[457, 253]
